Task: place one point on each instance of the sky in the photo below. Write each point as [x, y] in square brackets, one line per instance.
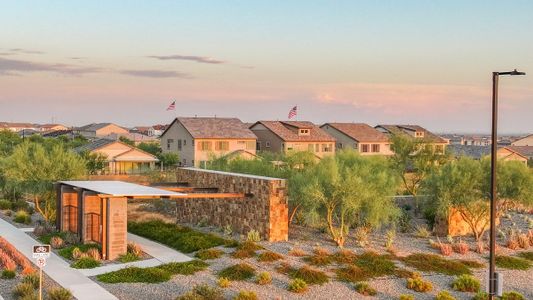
[377, 62]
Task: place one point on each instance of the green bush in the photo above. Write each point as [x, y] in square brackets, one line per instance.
[134, 274]
[512, 296]
[59, 294]
[364, 289]
[32, 279]
[481, 296]
[223, 282]
[297, 286]
[206, 254]
[406, 297]
[512, 263]
[22, 217]
[375, 265]
[246, 295]
[238, 272]
[444, 295]
[309, 275]
[203, 292]
[419, 285]
[269, 256]
[181, 238]
[8, 274]
[246, 250]
[435, 263]
[184, 268]
[85, 263]
[5, 204]
[351, 273]
[466, 283]
[128, 257]
[526, 255]
[264, 278]
[23, 289]
[67, 251]
[45, 238]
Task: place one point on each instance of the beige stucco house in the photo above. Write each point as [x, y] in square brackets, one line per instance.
[285, 136]
[415, 132]
[525, 141]
[200, 139]
[359, 136]
[121, 158]
[52, 127]
[97, 130]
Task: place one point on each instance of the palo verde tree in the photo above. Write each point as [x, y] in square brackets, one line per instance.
[349, 190]
[34, 169]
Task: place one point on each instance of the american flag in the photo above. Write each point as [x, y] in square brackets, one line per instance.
[172, 106]
[292, 112]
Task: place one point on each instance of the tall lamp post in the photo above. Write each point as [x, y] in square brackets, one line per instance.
[493, 159]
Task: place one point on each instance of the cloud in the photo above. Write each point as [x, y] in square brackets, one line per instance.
[198, 59]
[13, 66]
[155, 74]
[25, 51]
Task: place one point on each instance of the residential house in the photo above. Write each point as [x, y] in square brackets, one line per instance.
[359, 136]
[146, 130]
[136, 138]
[478, 152]
[51, 127]
[121, 158]
[16, 127]
[477, 141]
[285, 136]
[415, 132]
[199, 139]
[454, 139]
[525, 141]
[97, 130]
[157, 130]
[526, 151]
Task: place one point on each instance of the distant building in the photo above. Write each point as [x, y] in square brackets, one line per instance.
[525, 141]
[121, 158]
[157, 130]
[16, 127]
[28, 132]
[97, 130]
[136, 138]
[146, 130]
[454, 139]
[286, 136]
[526, 151]
[478, 152]
[477, 141]
[197, 140]
[416, 132]
[51, 127]
[359, 136]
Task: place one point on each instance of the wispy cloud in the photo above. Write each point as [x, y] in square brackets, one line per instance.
[198, 59]
[24, 51]
[155, 74]
[14, 66]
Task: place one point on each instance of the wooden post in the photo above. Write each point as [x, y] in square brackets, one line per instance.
[40, 283]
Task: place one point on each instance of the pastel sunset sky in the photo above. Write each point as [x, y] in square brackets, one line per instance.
[379, 62]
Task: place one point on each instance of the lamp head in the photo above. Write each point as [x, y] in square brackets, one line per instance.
[515, 72]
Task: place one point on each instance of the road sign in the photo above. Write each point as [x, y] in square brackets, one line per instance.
[41, 262]
[41, 251]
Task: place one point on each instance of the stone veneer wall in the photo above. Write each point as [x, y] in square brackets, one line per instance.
[265, 208]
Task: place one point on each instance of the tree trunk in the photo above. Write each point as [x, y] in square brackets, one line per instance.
[294, 213]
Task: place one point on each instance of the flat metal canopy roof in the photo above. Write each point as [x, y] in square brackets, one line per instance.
[120, 188]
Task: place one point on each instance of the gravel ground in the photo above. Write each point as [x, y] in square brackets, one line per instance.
[7, 285]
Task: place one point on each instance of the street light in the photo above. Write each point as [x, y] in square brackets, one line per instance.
[494, 149]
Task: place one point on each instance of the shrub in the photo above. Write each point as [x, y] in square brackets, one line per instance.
[246, 250]
[203, 292]
[351, 273]
[297, 252]
[344, 256]
[364, 289]
[391, 236]
[71, 253]
[297, 286]
[269, 256]
[523, 241]
[419, 285]
[32, 296]
[512, 263]
[94, 253]
[444, 295]
[238, 272]
[85, 263]
[184, 268]
[422, 232]
[375, 265]
[56, 242]
[134, 274]
[246, 295]
[8, 213]
[466, 283]
[434, 263]
[59, 294]
[445, 249]
[512, 296]
[264, 278]
[526, 255]
[5, 204]
[406, 297]
[22, 217]
[32, 279]
[8, 274]
[481, 296]
[7, 261]
[181, 238]
[321, 257]
[309, 275]
[76, 253]
[361, 236]
[134, 249]
[23, 289]
[206, 254]
[223, 282]
[253, 236]
[461, 247]
[127, 257]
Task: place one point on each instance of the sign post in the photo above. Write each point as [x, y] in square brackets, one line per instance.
[41, 253]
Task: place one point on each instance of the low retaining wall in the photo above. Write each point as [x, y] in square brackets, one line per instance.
[264, 208]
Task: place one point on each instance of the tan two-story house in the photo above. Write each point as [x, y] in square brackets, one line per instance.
[198, 140]
[359, 136]
[285, 136]
[415, 132]
[99, 130]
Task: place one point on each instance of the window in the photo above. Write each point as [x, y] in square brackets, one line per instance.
[258, 146]
[267, 144]
[304, 131]
[364, 148]
[184, 162]
[221, 146]
[326, 148]
[169, 141]
[375, 147]
[179, 145]
[419, 134]
[204, 146]
[184, 142]
[250, 145]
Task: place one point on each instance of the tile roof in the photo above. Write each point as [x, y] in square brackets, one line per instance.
[526, 151]
[97, 144]
[472, 151]
[282, 129]
[95, 126]
[360, 132]
[429, 136]
[217, 128]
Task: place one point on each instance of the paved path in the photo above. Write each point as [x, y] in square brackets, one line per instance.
[161, 255]
[82, 287]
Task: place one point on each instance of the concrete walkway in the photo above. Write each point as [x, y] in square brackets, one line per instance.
[59, 270]
[161, 255]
